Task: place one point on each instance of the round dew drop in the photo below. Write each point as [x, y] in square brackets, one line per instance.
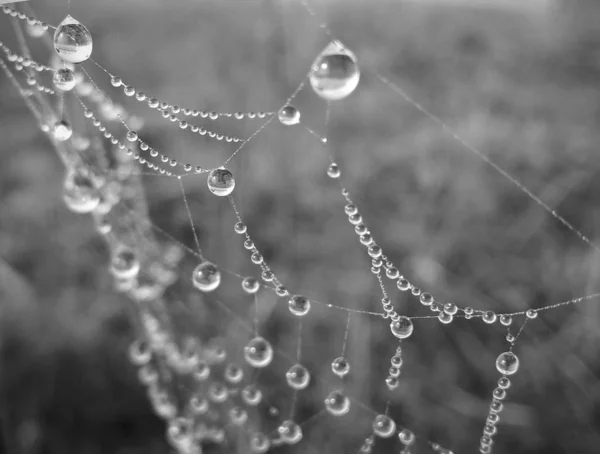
[220, 182]
[298, 377]
[258, 352]
[384, 426]
[290, 432]
[335, 73]
[337, 403]
[124, 263]
[250, 285]
[299, 305]
[333, 171]
[340, 366]
[62, 131]
[72, 41]
[507, 363]
[402, 328]
[251, 395]
[259, 443]
[80, 194]
[206, 277]
[289, 115]
[64, 79]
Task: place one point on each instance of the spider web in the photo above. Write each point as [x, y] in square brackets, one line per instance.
[148, 236]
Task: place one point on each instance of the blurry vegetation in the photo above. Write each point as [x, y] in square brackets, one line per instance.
[522, 88]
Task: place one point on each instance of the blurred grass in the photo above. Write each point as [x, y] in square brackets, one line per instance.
[522, 88]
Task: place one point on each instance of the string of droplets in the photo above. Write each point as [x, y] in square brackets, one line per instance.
[449, 311]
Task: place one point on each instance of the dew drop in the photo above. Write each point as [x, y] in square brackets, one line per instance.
[289, 115]
[64, 79]
[299, 305]
[406, 437]
[290, 432]
[507, 363]
[79, 193]
[337, 403]
[124, 263]
[402, 328]
[489, 317]
[384, 426]
[251, 395]
[250, 285]
[62, 131]
[335, 73]
[220, 182]
[206, 277]
[531, 314]
[234, 373]
[238, 416]
[259, 443]
[298, 377]
[72, 41]
[340, 366]
[258, 352]
[140, 353]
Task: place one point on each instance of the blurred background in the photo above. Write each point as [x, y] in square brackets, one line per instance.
[520, 81]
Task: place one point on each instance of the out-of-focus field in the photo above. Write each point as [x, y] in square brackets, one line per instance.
[524, 88]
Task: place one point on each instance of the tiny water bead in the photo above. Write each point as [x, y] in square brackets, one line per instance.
[384, 426]
[250, 285]
[62, 131]
[238, 416]
[290, 432]
[504, 382]
[531, 314]
[289, 115]
[340, 366]
[124, 263]
[507, 363]
[392, 382]
[337, 403]
[489, 317]
[333, 171]
[251, 395]
[234, 373]
[206, 277]
[64, 79]
[506, 320]
[220, 182]
[258, 353]
[402, 328]
[335, 73]
[297, 377]
[72, 41]
[259, 443]
[79, 193]
[299, 305]
[140, 353]
[217, 392]
[406, 437]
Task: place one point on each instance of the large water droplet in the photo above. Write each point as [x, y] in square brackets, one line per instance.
[206, 277]
[335, 73]
[258, 352]
[299, 305]
[298, 377]
[72, 41]
[507, 363]
[402, 328]
[220, 182]
[337, 403]
[289, 115]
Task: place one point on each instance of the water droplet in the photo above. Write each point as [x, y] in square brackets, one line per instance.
[258, 352]
[384, 426]
[62, 131]
[406, 437]
[299, 305]
[140, 353]
[206, 277]
[220, 182]
[234, 373]
[35, 30]
[531, 314]
[450, 308]
[124, 263]
[402, 328]
[392, 382]
[238, 416]
[499, 393]
[335, 73]
[217, 392]
[259, 443]
[507, 363]
[72, 41]
[337, 403]
[504, 382]
[340, 366]
[240, 228]
[291, 433]
[64, 79]
[201, 371]
[289, 115]
[251, 395]
[445, 318]
[506, 320]
[298, 377]
[489, 317]
[79, 193]
[198, 404]
[250, 285]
